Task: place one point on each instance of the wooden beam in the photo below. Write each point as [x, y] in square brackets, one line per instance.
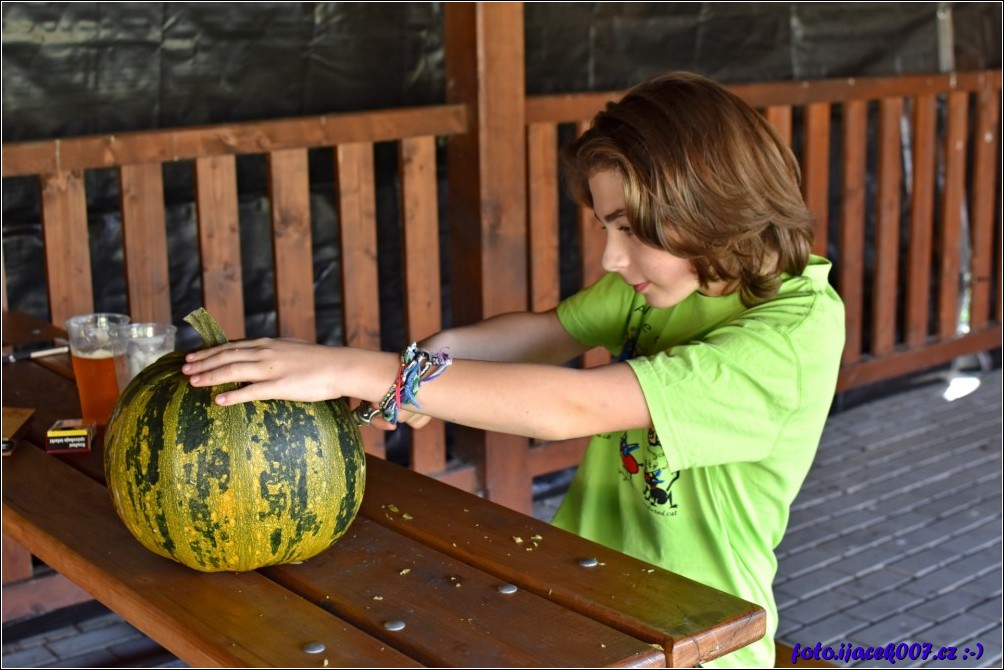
[256, 137]
[906, 360]
[573, 107]
[485, 71]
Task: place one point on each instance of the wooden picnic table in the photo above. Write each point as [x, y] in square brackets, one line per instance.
[421, 553]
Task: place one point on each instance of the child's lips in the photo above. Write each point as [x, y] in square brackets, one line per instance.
[640, 287]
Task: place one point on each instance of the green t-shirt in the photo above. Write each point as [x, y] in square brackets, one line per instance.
[738, 399]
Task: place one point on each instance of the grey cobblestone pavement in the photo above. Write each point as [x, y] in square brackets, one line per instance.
[896, 534]
[895, 537]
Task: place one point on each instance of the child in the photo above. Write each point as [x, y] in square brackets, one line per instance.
[728, 334]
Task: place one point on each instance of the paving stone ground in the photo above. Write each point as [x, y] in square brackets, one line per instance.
[896, 533]
[895, 537]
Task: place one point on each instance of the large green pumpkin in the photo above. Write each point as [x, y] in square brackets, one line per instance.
[230, 488]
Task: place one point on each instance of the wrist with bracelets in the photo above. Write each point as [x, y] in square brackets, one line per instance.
[417, 367]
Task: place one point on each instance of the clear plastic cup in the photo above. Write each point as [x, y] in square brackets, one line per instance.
[144, 344]
[96, 350]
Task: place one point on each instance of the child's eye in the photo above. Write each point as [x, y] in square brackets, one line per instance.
[626, 230]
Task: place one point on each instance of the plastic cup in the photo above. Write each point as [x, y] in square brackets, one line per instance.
[144, 344]
[94, 347]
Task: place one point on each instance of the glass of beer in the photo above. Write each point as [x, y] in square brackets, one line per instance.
[95, 343]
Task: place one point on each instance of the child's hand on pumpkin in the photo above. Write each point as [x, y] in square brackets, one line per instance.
[285, 369]
[277, 369]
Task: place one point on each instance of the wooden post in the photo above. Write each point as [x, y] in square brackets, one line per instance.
[485, 70]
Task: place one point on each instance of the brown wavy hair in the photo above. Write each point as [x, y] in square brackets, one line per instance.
[706, 178]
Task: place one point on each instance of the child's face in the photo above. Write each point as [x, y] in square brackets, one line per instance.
[662, 278]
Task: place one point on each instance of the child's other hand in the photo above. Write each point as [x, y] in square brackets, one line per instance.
[412, 419]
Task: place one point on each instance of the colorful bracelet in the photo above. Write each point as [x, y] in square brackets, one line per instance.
[417, 367]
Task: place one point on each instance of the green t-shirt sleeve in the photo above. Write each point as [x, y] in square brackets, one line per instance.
[725, 399]
[596, 315]
[734, 392]
[752, 388]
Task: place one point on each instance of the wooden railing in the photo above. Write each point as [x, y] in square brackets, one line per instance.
[926, 216]
[61, 165]
[952, 176]
[930, 292]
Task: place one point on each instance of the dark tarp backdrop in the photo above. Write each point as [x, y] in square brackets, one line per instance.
[98, 67]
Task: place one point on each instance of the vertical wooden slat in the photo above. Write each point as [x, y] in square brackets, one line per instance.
[357, 218]
[420, 240]
[851, 268]
[816, 172]
[67, 253]
[590, 240]
[951, 215]
[16, 562]
[144, 238]
[360, 275]
[1000, 291]
[543, 228]
[420, 247]
[921, 220]
[982, 204]
[3, 279]
[591, 243]
[887, 223]
[219, 242]
[289, 188]
[779, 116]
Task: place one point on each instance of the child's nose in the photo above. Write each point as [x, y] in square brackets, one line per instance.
[614, 258]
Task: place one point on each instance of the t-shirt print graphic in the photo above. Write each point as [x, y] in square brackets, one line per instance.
[645, 468]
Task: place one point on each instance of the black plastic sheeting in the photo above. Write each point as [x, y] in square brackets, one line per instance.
[85, 68]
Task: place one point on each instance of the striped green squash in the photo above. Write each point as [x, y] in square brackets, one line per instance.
[230, 488]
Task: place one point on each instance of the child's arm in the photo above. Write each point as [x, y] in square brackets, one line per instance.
[544, 401]
[517, 337]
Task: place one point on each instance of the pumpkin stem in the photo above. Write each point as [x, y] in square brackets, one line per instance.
[205, 325]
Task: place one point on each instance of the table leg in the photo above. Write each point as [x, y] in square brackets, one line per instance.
[26, 595]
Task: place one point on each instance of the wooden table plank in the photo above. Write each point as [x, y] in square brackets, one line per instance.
[454, 614]
[693, 622]
[52, 396]
[220, 619]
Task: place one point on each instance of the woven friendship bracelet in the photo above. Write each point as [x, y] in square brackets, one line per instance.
[417, 367]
